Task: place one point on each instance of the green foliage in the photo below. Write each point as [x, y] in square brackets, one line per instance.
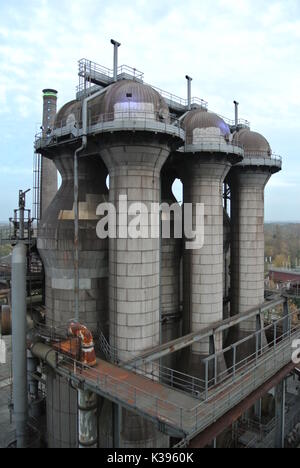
[5, 250]
[282, 243]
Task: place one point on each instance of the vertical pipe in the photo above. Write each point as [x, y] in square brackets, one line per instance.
[76, 237]
[116, 46]
[117, 422]
[189, 91]
[87, 419]
[19, 327]
[236, 113]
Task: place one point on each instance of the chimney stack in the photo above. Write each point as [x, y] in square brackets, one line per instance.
[189, 91]
[116, 46]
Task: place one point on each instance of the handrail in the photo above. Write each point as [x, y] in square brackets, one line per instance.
[103, 120]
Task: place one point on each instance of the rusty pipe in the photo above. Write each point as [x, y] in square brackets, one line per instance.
[88, 355]
[6, 317]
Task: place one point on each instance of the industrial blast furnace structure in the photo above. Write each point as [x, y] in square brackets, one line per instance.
[169, 323]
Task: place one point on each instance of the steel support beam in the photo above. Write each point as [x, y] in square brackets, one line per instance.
[117, 424]
[208, 435]
[188, 340]
[280, 394]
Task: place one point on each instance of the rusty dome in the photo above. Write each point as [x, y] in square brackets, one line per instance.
[130, 96]
[68, 114]
[255, 145]
[203, 124]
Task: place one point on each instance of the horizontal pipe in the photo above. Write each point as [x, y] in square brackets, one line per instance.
[45, 353]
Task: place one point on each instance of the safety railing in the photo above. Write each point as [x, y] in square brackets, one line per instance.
[212, 143]
[117, 389]
[192, 419]
[90, 72]
[241, 122]
[129, 119]
[201, 388]
[253, 156]
[243, 365]
[173, 378]
[172, 99]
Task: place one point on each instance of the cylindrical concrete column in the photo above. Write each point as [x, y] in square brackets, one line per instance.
[87, 419]
[56, 247]
[171, 253]
[203, 268]
[134, 263]
[49, 182]
[19, 330]
[247, 184]
[247, 249]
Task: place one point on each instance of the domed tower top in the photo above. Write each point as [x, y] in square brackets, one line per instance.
[68, 115]
[200, 124]
[255, 145]
[129, 98]
[208, 133]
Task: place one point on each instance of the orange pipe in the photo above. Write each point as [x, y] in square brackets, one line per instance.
[88, 354]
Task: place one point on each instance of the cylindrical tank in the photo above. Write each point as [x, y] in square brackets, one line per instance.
[247, 183]
[134, 160]
[205, 162]
[56, 247]
[171, 251]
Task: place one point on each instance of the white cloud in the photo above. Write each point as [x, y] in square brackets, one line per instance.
[243, 49]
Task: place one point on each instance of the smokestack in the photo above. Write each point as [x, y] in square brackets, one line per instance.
[48, 187]
[116, 46]
[49, 109]
[236, 113]
[189, 91]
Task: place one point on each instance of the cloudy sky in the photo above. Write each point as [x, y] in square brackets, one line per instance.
[247, 50]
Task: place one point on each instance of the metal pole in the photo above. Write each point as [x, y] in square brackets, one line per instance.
[117, 422]
[236, 113]
[286, 322]
[116, 46]
[189, 91]
[19, 329]
[280, 414]
[76, 235]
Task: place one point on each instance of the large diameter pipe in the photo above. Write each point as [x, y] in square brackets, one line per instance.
[19, 329]
[87, 419]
